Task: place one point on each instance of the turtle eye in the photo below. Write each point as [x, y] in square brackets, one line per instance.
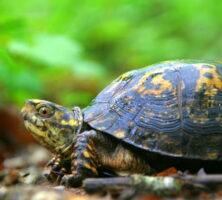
[45, 111]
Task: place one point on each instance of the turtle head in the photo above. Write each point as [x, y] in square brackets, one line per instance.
[52, 125]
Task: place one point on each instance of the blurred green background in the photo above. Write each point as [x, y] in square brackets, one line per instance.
[67, 51]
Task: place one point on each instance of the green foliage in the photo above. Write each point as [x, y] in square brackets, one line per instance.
[67, 51]
[14, 81]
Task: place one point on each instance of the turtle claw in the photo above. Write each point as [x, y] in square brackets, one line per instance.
[70, 180]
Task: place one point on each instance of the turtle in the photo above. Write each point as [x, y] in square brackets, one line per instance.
[144, 119]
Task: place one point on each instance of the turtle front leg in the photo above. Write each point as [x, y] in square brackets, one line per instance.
[95, 151]
[84, 161]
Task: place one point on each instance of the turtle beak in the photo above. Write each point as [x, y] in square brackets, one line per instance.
[26, 109]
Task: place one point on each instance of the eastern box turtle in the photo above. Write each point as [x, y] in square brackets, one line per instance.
[170, 110]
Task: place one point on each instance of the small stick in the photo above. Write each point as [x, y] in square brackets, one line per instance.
[207, 180]
[156, 185]
[165, 185]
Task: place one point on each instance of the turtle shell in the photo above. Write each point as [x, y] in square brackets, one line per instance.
[173, 108]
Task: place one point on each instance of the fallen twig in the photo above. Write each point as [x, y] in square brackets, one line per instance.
[161, 186]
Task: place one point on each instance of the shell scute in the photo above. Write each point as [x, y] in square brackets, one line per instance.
[173, 108]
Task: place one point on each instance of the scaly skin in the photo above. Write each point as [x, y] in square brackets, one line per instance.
[77, 155]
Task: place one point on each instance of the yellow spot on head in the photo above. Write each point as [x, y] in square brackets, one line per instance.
[37, 101]
[34, 118]
[64, 122]
[71, 122]
[34, 130]
[39, 123]
[58, 115]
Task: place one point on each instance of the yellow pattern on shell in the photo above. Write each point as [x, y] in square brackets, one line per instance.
[118, 81]
[211, 85]
[164, 85]
[140, 85]
[212, 155]
[157, 80]
[120, 133]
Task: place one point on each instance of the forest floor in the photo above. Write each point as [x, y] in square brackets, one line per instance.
[22, 178]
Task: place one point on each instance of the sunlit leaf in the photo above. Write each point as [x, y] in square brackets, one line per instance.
[54, 50]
